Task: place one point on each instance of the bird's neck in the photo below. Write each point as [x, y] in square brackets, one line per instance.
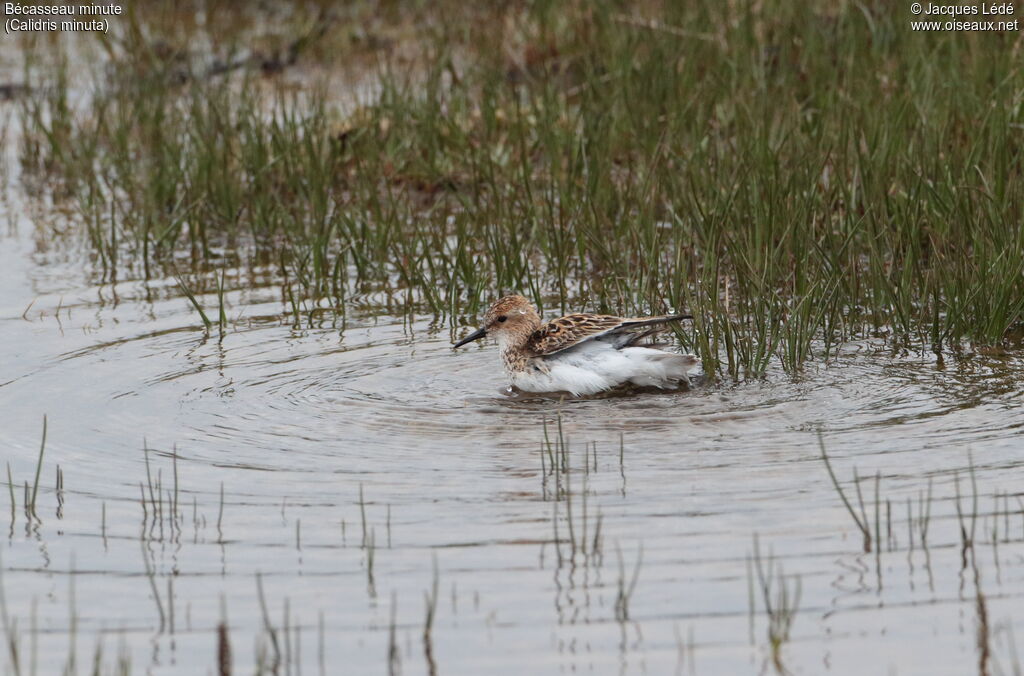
[513, 348]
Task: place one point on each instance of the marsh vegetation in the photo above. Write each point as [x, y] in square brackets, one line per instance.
[796, 176]
[240, 241]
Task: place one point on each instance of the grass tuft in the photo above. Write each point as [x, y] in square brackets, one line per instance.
[795, 175]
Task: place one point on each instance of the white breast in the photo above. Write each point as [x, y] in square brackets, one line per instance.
[594, 366]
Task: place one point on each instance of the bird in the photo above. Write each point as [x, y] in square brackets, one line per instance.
[580, 353]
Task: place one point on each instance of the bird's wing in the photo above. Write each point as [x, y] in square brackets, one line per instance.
[565, 332]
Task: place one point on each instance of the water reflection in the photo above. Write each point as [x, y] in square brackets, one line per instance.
[299, 485]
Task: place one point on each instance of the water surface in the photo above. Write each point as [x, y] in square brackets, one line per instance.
[294, 425]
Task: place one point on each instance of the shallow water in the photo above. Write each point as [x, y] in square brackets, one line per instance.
[293, 425]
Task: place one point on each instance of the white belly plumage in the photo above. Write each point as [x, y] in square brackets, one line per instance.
[595, 366]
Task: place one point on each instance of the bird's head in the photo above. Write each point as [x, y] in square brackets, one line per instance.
[507, 317]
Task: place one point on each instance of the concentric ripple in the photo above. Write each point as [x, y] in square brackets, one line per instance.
[312, 433]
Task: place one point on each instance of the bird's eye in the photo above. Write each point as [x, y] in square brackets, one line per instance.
[502, 318]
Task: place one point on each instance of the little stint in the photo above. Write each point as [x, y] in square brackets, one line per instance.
[579, 353]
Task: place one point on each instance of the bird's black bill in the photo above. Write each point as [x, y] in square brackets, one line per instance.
[476, 335]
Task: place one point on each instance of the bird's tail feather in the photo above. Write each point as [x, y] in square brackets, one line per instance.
[676, 366]
[649, 321]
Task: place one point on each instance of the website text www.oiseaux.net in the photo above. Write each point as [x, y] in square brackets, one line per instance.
[968, 18]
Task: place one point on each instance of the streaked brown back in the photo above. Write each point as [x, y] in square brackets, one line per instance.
[565, 332]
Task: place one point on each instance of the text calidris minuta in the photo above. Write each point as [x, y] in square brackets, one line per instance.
[579, 353]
